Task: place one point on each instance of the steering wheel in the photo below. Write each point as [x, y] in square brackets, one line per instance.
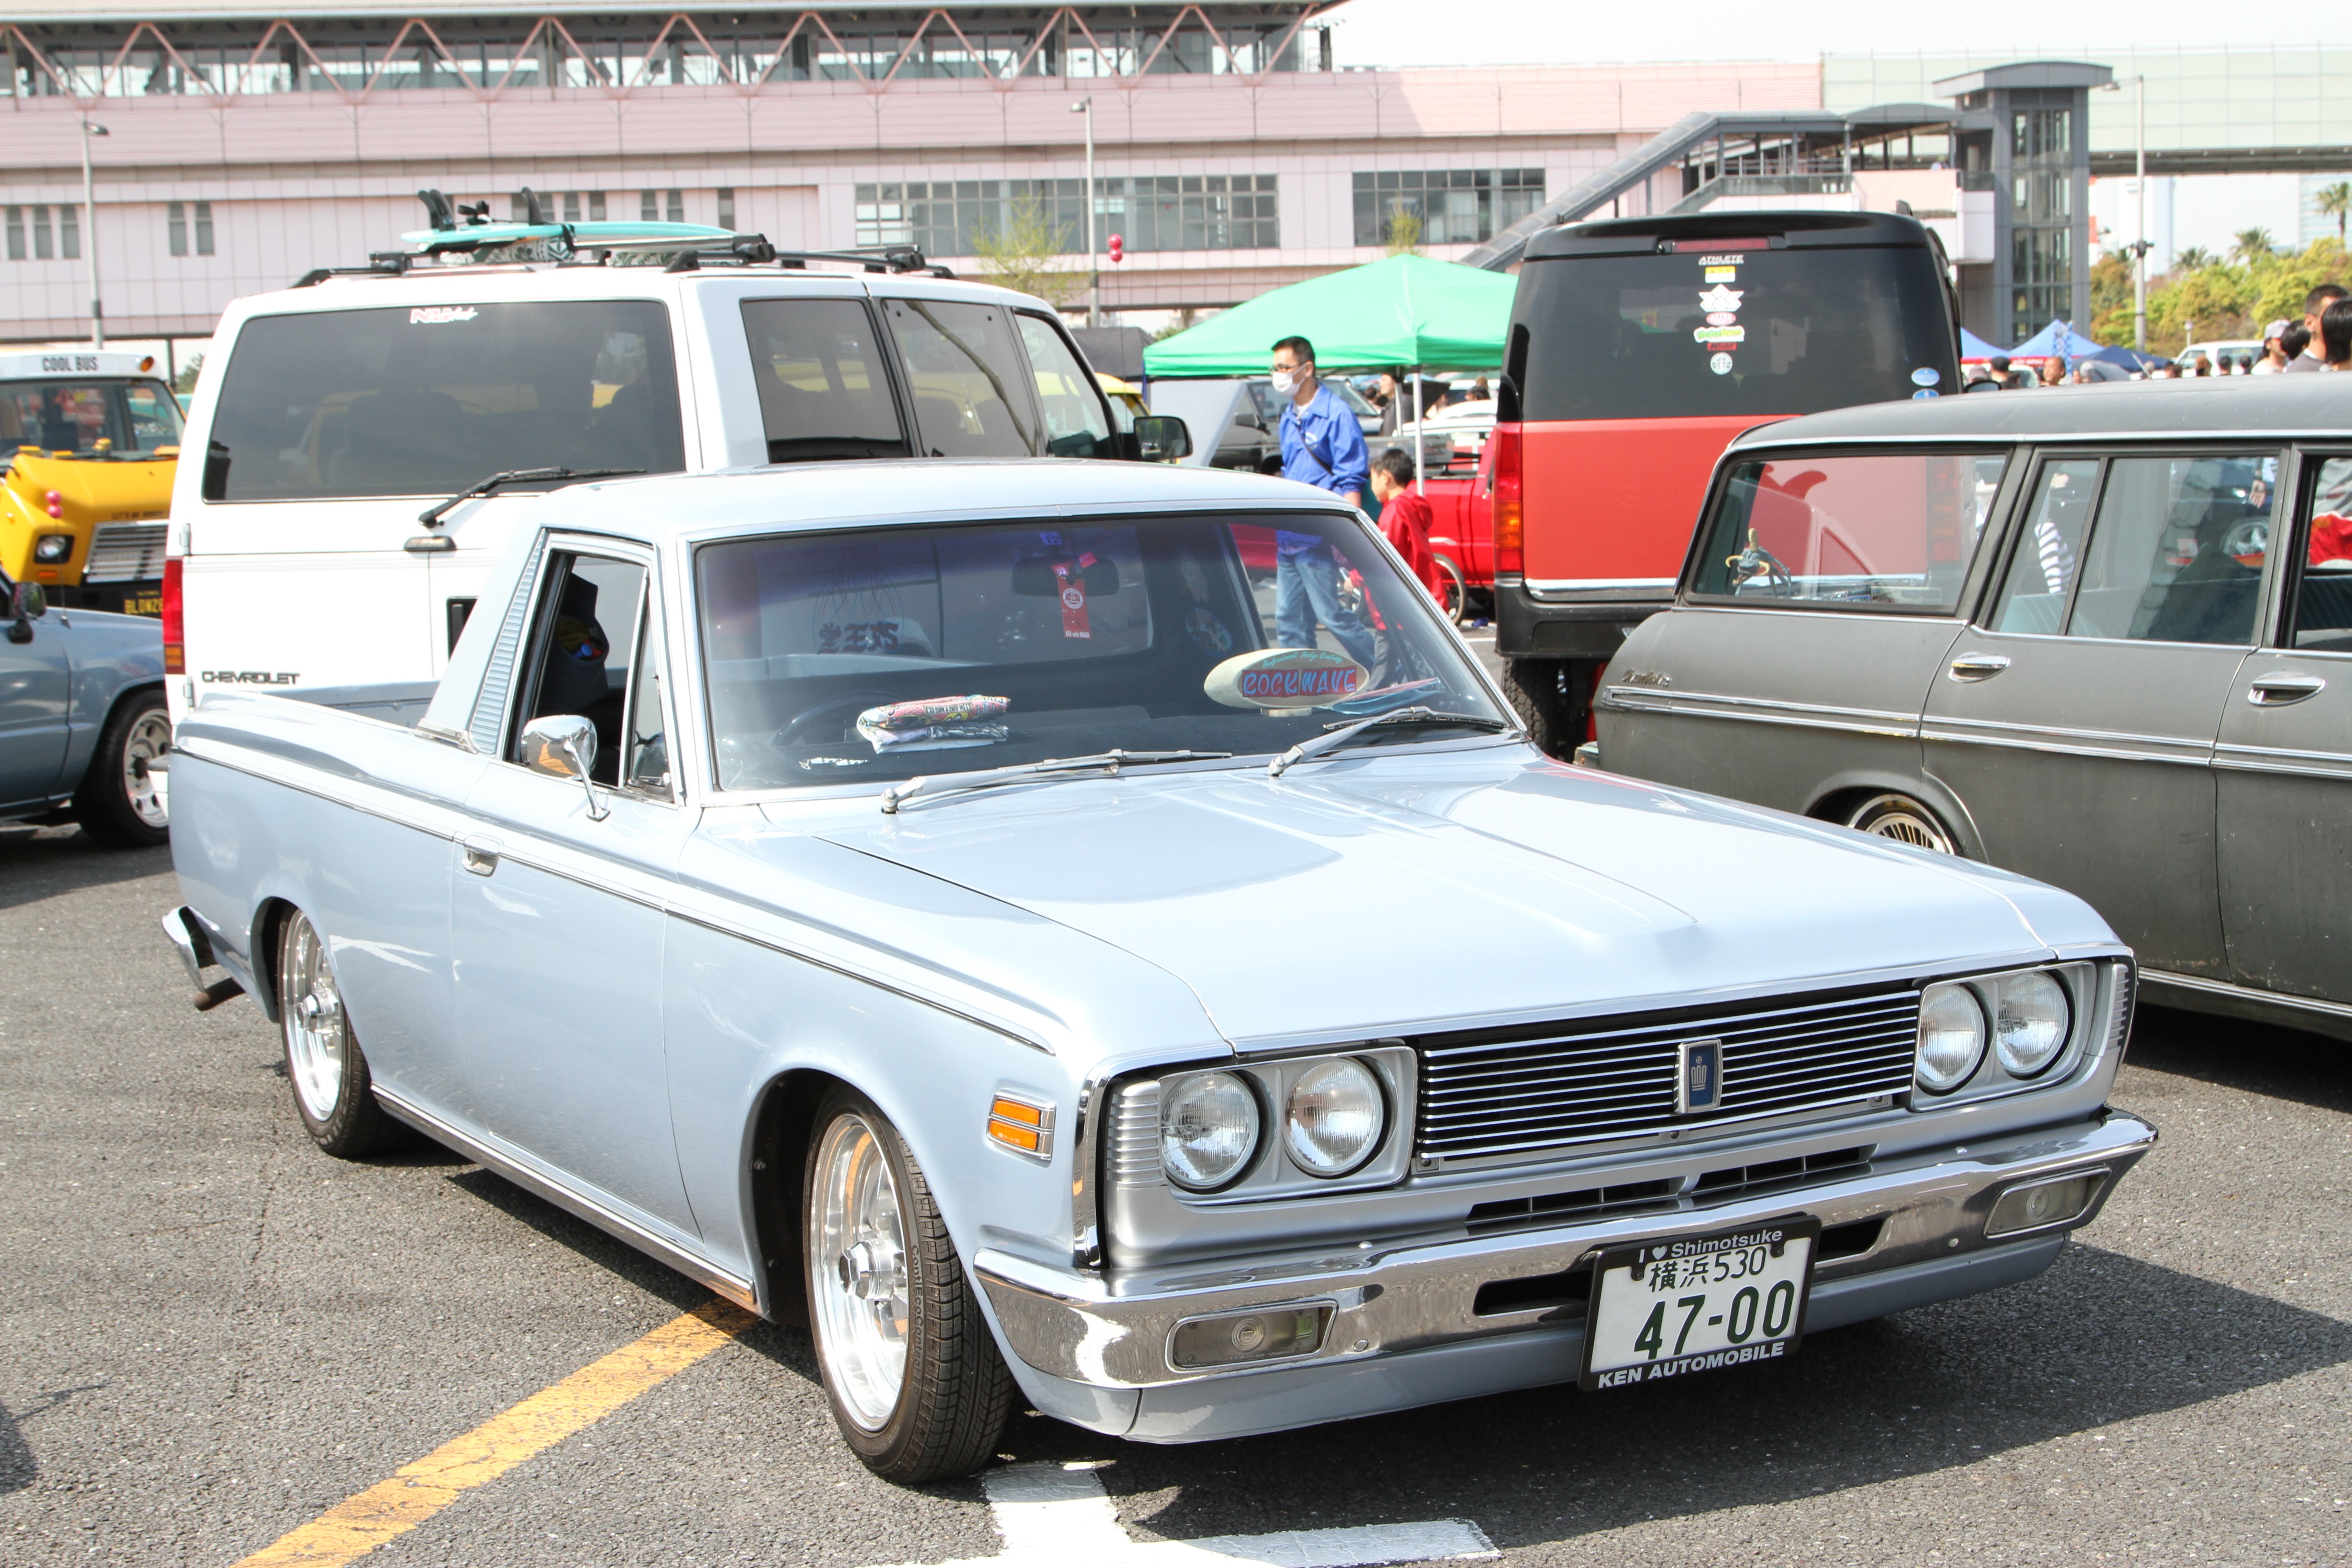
[807, 719]
[1755, 560]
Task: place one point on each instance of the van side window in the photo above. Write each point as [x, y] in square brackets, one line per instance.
[426, 400]
[823, 389]
[973, 393]
[2175, 552]
[1075, 426]
[2323, 595]
[583, 640]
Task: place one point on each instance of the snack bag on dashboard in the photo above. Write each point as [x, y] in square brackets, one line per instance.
[936, 723]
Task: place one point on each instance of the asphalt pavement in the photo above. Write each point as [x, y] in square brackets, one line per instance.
[210, 1333]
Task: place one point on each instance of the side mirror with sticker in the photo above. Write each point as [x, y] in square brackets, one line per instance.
[1034, 579]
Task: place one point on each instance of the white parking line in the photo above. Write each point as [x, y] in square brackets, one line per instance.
[1059, 1515]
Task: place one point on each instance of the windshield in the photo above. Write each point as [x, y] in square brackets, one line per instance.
[885, 653]
[427, 401]
[75, 415]
[1730, 332]
[1892, 531]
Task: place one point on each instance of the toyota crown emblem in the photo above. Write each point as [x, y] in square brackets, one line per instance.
[1698, 1082]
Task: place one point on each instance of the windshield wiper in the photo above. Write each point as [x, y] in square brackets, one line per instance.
[1109, 762]
[431, 516]
[1332, 740]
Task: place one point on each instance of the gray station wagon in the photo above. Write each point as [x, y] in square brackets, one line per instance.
[2051, 633]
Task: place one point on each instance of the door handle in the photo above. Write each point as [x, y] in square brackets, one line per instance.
[1979, 665]
[2279, 690]
[481, 854]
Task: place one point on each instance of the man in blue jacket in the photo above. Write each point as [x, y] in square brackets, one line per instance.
[1322, 446]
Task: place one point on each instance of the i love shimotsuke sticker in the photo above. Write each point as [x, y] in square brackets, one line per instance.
[1284, 677]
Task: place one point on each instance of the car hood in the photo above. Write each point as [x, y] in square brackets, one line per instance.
[1383, 896]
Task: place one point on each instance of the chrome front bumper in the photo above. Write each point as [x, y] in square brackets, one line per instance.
[1114, 1330]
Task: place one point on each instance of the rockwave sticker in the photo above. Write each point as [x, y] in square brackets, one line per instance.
[1720, 334]
[1284, 677]
[433, 315]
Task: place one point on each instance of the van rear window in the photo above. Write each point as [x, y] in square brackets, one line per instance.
[427, 401]
[1759, 332]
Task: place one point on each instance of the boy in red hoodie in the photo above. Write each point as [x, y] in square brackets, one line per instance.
[1405, 518]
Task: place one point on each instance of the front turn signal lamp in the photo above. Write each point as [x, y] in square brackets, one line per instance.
[1237, 1338]
[1025, 1126]
[2038, 1206]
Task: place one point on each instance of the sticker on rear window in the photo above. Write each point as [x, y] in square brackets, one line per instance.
[429, 315]
[1284, 677]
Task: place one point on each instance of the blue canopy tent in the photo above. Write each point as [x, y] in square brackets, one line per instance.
[1973, 347]
[2057, 338]
[2129, 358]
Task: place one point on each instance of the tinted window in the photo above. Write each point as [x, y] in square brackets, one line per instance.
[823, 390]
[1872, 533]
[74, 417]
[1730, 332]
[881, 654]
[970, 380]
[2175, 552]
[425, 402]
[2323, 607]
[1075, 422]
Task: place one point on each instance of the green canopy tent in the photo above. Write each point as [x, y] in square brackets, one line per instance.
[1406, 310]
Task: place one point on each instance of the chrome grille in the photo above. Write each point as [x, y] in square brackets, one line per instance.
[125, 553]
[1508, 1092]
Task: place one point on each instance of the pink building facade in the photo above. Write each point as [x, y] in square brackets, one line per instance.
[1229, 182]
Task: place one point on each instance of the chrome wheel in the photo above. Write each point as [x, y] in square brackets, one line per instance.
[1904, 820]
[143, 783]
[310, 1010]
[857, 1262]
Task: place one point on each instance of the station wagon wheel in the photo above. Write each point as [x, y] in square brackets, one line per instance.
[1904, 820]
[918, 1386]
[334, 1090]
[122, 801]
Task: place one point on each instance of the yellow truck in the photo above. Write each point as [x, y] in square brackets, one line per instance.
[89, 442]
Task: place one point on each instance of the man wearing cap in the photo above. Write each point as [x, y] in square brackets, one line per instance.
[2309, 362]
[2274, 357]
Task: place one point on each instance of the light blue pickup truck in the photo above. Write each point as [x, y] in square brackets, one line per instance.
[958, 906]
[83, 729]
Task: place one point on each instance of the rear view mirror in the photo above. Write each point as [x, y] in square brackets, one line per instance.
[1034, 578]
[1163, 438]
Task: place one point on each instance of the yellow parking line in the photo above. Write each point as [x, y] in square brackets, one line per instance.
[417, 1491]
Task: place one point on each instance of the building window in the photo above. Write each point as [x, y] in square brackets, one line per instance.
[595, 206]
[69, 231]
[571, 206]
[678, 206]
[15, 234]
[649, 205]
[1450, 206]
[175, 226]
[1165, 212]
[204, 228]
[727, 209]
[43, 250]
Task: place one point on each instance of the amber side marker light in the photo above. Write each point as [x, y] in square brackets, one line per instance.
[1021, 1124]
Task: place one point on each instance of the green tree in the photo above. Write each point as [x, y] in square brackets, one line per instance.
[2196, 258]
[1022, 254]
[186, 380]
[2252, 245]
[1404, 230]
[2111, 297]
[2333, 201]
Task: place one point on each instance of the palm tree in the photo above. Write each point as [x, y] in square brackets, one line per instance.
[2333, 201]
[2251, 244]
[2196, 258]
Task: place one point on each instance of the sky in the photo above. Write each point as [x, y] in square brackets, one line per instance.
[1560, 32]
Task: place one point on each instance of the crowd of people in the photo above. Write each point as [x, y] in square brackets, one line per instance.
[2321, 342]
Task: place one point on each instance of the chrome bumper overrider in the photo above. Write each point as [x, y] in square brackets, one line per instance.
[1113, 1330]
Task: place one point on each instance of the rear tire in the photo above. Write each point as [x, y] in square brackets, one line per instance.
[918, 1386]
[333, 1092]
[121, 802]
[1549, 696]
[1455, 602]
[1904, 820]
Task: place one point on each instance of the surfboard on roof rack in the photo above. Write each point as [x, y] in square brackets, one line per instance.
[459, 229]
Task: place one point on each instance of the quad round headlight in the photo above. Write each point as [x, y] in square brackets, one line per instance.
[1951, 1038]
[1208, 1130]
[2030, 1019]
[1335, 1118]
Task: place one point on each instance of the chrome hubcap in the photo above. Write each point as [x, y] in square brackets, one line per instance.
[313, 1008]
[143, 785]
[857, 1263]
[1905, 824]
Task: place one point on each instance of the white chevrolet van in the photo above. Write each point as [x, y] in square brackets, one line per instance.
[313, 540]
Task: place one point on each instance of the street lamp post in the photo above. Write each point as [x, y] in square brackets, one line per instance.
[90, 232]
[1086, 106]
[2138, 84]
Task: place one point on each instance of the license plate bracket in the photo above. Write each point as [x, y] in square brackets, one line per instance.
[1664, 1308]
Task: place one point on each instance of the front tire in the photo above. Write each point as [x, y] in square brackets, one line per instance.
[333, 1092]
[917, 1387]
[122, 801]
[1904, 820]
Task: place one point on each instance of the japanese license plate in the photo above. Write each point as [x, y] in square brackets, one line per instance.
[1660, 1309]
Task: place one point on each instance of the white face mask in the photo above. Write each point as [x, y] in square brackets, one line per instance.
[1287, 382]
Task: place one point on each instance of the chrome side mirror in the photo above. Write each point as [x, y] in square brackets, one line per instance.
[27, 604]
[563, 746]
